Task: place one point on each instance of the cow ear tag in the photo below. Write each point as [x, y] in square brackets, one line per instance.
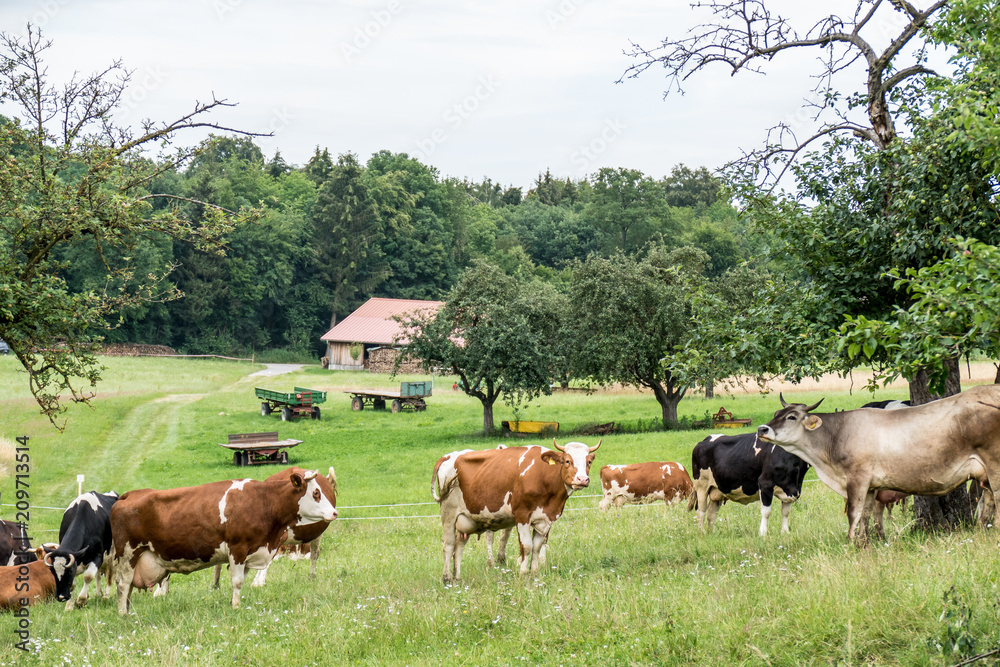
[813, 422]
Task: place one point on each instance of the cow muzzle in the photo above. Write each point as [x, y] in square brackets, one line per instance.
[764, 432]
[580, 482]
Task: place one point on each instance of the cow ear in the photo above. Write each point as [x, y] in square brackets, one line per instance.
[296, 479]
[552, 458]
[813, 422]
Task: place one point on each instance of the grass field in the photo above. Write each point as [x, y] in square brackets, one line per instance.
[637, 586]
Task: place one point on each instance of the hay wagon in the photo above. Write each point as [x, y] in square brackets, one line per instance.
[409, 397]
[256, 448]
[300, 401]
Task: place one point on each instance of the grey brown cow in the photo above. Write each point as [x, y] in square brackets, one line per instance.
[925, 450]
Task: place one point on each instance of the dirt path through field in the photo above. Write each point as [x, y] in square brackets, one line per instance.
[154, 422]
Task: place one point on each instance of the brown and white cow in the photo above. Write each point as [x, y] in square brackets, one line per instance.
[517, 487]
[644, 483]
[303, 536]
[925, 450]
[27, 583]
[240, 522]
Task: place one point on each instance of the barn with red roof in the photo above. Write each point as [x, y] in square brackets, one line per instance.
[371, 327]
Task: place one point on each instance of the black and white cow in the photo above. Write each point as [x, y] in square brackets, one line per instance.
[744, 469]
[15, 548]
[85, 546]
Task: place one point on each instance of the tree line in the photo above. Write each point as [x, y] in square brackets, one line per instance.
[332, 233]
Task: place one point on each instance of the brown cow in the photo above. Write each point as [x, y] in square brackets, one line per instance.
[303, 537]
[240, 522]
[517, 487]
[28, 583]
[644, 483]
[925, 450]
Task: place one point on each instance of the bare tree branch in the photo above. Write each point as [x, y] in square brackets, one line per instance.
[746, 34]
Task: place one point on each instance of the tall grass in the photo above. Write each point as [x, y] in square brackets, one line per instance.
[640, 585]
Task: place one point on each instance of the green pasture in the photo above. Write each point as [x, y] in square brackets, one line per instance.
[636, 586]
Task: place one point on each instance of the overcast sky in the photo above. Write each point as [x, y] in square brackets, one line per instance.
[476, 88]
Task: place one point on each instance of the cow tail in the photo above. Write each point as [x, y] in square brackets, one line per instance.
[434, 485]
[692, 499]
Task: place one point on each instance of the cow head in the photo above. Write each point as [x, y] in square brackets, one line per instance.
[63, 566]
[318, 499]
[791, 423]
[575, 459]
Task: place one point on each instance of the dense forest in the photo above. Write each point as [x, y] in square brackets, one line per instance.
[336, 232]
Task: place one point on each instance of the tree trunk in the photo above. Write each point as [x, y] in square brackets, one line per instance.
[668, 403]
[955, 509]
[488, 427]
[709, 389]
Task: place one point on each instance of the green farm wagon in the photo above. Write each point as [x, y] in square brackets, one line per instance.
[300, 401]
[409, 397]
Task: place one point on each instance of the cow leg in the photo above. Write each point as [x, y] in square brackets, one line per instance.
[605, 502]
[765, 514]
[88, 577]
[878, 515]
[502, 547]
[237, 572]
[124, 573]
[701, 493]
[857, 499]
[524, 538]
[489, 548]
[713, 512]
[538, 540]
[217, 573]
[313, 556]
[259, 578]
[448, 537]
[766, 500]
[786, 509]
[460, 541]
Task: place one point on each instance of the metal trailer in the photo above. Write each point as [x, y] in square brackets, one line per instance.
[301, 401]
[409, 397]
[256, 448]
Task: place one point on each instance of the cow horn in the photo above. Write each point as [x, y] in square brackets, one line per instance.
[47, 559]
[594, 448]
[782, 399]
[72, 562]
[556, 445]
[813, 407]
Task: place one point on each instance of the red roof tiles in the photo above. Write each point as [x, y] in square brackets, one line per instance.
[373, 323]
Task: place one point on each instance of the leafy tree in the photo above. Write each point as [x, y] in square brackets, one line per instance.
[498, 334]
[630, 315]
[354, 213]
[624, 202]
[551, 235]
[319, 167]
[691, 187]
[864, 206]
[71, 178]
[422, 261]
